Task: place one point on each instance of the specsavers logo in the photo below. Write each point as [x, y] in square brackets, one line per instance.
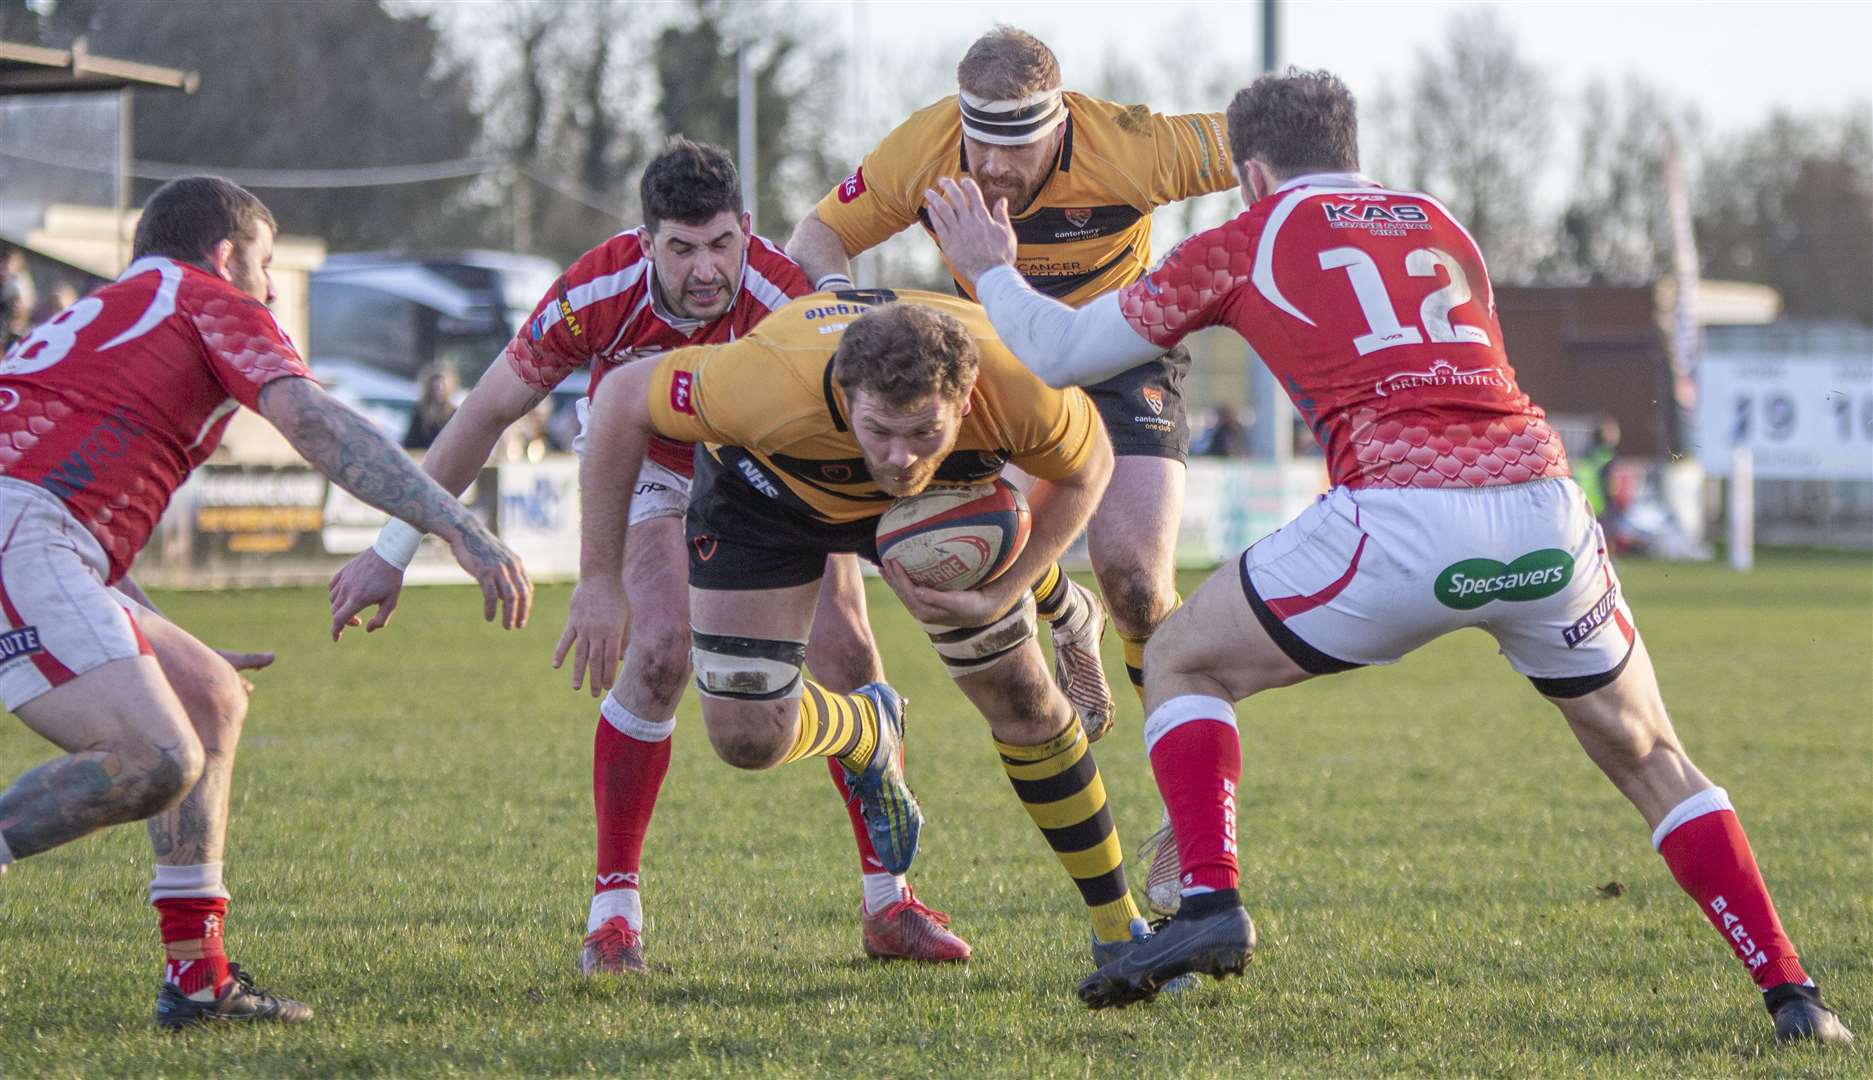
[1475, 582]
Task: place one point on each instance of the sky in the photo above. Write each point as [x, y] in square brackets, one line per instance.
[1735, 60]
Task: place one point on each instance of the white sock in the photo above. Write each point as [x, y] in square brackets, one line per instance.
[6, 853]
[187, 882]
[883, 890]
[613, 904]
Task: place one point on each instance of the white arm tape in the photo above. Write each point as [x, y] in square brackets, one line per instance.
[833, 280]
[1064, 346]
[397, 542]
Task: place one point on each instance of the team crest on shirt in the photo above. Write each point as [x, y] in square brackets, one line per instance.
[1078, 216]
[9, 398]
[1154, 398]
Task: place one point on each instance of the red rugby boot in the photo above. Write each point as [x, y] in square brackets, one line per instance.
[907, 930]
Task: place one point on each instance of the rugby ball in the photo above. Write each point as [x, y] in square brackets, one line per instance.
[955, 537]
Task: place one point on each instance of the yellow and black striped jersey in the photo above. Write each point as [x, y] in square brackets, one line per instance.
[770, 397]
[1088, 231]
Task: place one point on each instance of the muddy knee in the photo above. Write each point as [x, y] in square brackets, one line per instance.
[661, 665]
[749, 740]
[1135, 599]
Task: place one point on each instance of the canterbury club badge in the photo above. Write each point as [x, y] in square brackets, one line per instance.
[1154, 397]
[1078, 216]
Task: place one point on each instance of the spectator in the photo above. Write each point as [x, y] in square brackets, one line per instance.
[1226, 436]
[61, 296]
[17, 295]
[434, 407]
[1593, 470]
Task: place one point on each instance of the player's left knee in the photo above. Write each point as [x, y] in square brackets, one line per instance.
[216, 701]
[844, 661]
[747, 739]
[1135, 596]
[662, 665]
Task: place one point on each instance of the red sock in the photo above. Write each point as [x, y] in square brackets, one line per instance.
[1197, 764]
[868, 861]
[1710, 857]
[191, 929]
[627, 773]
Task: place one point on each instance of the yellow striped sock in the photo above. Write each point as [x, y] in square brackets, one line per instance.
[1135, 651]
[1050, 594]
[1059, 783]
[840, 726]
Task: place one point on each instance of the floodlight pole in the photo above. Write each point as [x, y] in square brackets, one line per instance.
[744, 128]
[1271, 436]
[125, 135]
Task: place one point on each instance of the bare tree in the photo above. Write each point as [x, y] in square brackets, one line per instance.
[1471, 126]
[1615, 227]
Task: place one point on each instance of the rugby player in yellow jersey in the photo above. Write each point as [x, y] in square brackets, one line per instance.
[1081, 178]
[811, 425]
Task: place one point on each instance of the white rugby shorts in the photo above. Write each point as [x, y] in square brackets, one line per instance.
[659, 492]
[58, 619]
[1366, 576]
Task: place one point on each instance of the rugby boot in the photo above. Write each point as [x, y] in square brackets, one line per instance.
[1163, 873]
[1799, 1014]
[892, 817]
[1214, 938]
[1110, 952]
[907, 930]
[1077, 668]
[241, 1002]
[612, 949]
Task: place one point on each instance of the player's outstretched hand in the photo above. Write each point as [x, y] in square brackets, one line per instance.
[504, 583]
[245, 661]
[962, 608]
[595, 625]
[973, 238]
[367, 579]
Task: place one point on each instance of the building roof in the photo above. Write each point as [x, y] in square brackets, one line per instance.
[34, 69]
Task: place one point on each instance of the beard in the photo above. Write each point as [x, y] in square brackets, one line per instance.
[1018, 193]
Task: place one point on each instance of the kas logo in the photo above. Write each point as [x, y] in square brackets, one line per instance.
[628, 879]
[1154, 397]
[1079, 216]
[679, 393]
[1372, 212]
[852, 186]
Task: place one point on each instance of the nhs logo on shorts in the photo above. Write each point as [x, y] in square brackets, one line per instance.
[18, 644]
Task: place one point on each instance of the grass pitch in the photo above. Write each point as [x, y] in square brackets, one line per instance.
[1422, 850]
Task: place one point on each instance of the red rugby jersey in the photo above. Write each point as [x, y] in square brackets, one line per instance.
[604, 309]
[1374, 309]
[114, 401]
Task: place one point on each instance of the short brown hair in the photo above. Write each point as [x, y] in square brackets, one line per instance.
[1006, 64]
[184, 219]
[902, 353]
[1296, 122]
[689, 182]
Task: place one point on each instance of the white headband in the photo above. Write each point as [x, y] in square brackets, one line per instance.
[1012, 123]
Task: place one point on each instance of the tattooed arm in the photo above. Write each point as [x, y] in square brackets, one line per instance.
[353, 454]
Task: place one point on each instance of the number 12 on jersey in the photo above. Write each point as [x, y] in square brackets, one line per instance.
[1385, 331]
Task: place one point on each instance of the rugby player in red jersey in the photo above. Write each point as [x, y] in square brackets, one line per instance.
[693, 275]
[1451, 507]
[104, 411]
